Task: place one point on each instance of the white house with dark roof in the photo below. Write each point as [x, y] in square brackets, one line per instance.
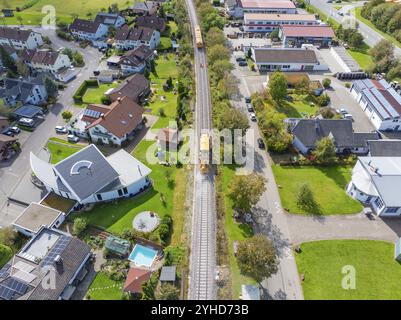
[136, 60]
[89, 177]
[88, 30]
[380, 102]
[129, 38]
[376, 181]
[20, 39]
[48, 61]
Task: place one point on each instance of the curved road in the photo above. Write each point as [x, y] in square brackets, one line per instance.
[203, 239]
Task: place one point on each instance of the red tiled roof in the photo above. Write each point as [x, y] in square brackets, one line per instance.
[135, 278]
[308, 31]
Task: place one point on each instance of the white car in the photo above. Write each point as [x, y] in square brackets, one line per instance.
[252, 116]
[72, 138]
[348, 116]
[15, 130]
[61, 129]
[342, 111]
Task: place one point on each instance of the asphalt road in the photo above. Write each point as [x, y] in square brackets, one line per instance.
[203, 238]
[371, 37]
[11, 175]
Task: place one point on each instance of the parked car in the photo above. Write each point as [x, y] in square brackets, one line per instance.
[348, 116]
[261, 143]
[72, 138]
[242, 63]
[61, 129]
[9, 133]
[15, 129]
[238, 59]
[252, 116]
[26, 122]
[342, 111]
[249, 107]
[247, 99]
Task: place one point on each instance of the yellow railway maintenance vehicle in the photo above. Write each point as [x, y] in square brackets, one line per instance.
[198, 37]
[204, 152]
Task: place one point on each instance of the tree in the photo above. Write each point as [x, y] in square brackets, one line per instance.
[5, 254]
[8, 61]
[80, 225]
[355, 40]
[8, 236]
[278, 86]
[325, 151]
[23, 69]
[246, 190]
[257, 258]
[51, 87]
[218, 52]
[273, 128]
[78, 59]
[148, 288]
[233, 119]
[326, 83]
[215, 36]
[323, 100]
[167, 291]
[305, 198]
[383, 56]
[67, 115]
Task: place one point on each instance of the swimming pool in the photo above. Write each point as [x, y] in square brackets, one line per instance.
[142, 256]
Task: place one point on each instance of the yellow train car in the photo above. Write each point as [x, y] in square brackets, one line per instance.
[204, 152]
[198, 37]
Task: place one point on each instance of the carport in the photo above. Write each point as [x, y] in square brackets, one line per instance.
[28, 111]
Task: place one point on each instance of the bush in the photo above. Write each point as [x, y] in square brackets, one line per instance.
[5, 254]
[323, 100]
[326, 83]
[164, 232]
[67, 115]
[80, 225]
[105, 100]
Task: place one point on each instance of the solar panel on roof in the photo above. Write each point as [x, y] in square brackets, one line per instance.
[6, 293]
[5, 271]
[57, 249]
[15, 285]
[92, 113]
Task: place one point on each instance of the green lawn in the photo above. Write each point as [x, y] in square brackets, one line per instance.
[83, 8]
[235, 232]
[299, 107]
[378, 275]
[103, 288]
[332, 180]
[5, 254]
[94, 95]
[167, 100]
[60, 151]
[362, 57]
[165, 43]
[357, 12]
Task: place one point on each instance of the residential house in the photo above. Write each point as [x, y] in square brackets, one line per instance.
[129, 38]
[136, 87]
[376, 182]
[380, 102]
[51, 257]
[237, 8]
[136, 60]
[10, 51]
[35, 216]
[88, 176]
[268, 22]
[153, 22]
[135, 278]
[30, 90]
[46, 61]
[144, 8]
[271, 59]
[88, 30]
[385, 148]
[20, 39]
[6, 147]
[307, 132]
[296, 36]
[110, 19]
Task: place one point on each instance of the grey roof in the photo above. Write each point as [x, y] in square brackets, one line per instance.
[14, 33]
[385, 148]
[28, 111]
[85, 25]
[361, 138]
[152, 21]
[309, 131]
[86, 172]
[134, 34]
[385, 172]
[107, 18]
[21, 88]
[271, 55]
[136, 56]
[168, 273]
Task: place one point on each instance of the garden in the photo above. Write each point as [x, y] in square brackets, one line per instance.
[325, 264]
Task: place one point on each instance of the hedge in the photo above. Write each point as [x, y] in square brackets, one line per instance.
[82, 89]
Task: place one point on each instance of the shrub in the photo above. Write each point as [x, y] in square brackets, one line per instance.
[164, 232]
[80, 225]
[67, 115]
[326, 83]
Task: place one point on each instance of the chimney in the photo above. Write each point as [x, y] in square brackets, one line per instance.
[119, 99]
[102, 115]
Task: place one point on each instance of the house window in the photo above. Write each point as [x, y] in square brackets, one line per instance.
[125, 190]
[379, 203]
[392, 209]
[99, 197]
[120, 193]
